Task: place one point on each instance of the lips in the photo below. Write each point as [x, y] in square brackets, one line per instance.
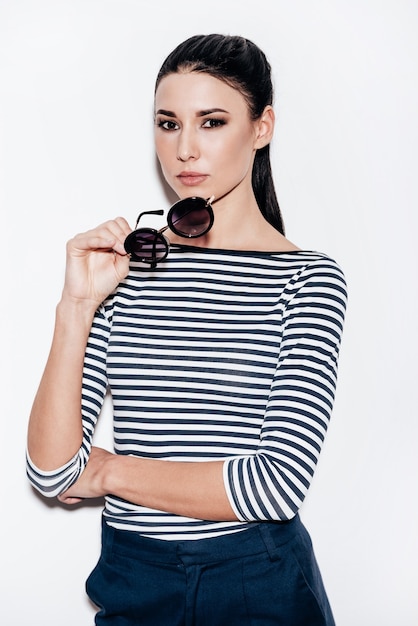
[191, 178]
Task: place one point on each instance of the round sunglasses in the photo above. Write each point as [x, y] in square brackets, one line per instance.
[189, 218]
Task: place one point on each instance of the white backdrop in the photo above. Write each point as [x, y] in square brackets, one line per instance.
[76, 86]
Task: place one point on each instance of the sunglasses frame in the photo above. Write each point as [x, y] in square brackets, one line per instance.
[159, 237]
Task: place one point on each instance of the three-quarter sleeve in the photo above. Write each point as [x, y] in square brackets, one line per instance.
[52, 483]
[272, 483]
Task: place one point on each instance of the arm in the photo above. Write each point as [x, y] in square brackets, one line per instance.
[193, 489]
[96, 263]
[271, 483]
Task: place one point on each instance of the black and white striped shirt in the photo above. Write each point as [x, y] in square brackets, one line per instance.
[212, 355]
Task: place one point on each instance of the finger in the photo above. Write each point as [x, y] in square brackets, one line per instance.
[120, 229]
[90, 241]
[68, 499]
[107, 236]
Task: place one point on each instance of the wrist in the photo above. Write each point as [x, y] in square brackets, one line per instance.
[100, 470]
[72, 309]
[110, 472]
[120, 476]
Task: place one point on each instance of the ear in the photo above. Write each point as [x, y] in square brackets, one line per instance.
[264, 128]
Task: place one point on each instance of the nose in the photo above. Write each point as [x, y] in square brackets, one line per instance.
[187, 147]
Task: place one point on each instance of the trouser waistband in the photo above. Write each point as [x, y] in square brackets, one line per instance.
[262, 536]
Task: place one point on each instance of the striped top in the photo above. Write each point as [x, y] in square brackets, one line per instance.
[216, 354]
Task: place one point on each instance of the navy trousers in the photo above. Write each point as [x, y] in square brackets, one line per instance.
[264, 576]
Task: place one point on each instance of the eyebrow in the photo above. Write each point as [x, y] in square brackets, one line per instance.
[199, 113]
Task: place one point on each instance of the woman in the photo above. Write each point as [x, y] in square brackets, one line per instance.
[221, 357]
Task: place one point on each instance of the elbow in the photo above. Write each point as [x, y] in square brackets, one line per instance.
[47, 491]
[53, 483]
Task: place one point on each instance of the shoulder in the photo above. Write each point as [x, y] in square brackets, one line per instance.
[320, 265]
[309, 264]
[316, 279]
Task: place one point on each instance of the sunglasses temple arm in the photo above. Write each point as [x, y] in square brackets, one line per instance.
[158, 212]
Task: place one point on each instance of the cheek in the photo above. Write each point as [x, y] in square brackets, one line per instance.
[237, 150]
[238, 159]
[165, 160]
[159, 149]
[164, 148]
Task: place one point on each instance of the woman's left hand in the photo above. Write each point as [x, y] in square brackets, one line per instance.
[91, 482]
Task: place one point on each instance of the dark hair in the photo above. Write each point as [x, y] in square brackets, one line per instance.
[242, 65]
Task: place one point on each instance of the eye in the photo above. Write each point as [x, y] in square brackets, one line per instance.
[167, 124]
[213, 122]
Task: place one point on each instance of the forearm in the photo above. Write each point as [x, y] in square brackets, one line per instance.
[96, 263]
[55, 427]
[190, 489]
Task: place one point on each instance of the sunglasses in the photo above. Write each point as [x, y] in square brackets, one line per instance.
[189, 218]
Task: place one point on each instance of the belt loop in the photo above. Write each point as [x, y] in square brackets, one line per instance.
[272, 549]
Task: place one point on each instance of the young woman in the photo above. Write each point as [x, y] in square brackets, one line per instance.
[219, 341]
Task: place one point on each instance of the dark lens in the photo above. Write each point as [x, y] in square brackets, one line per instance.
[190, 217]
[147, 245]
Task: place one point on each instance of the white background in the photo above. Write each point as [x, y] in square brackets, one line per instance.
[76, 89]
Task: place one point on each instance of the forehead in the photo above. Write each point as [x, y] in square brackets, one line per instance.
[197, 91]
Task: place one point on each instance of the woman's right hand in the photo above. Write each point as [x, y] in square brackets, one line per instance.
[96, 262]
